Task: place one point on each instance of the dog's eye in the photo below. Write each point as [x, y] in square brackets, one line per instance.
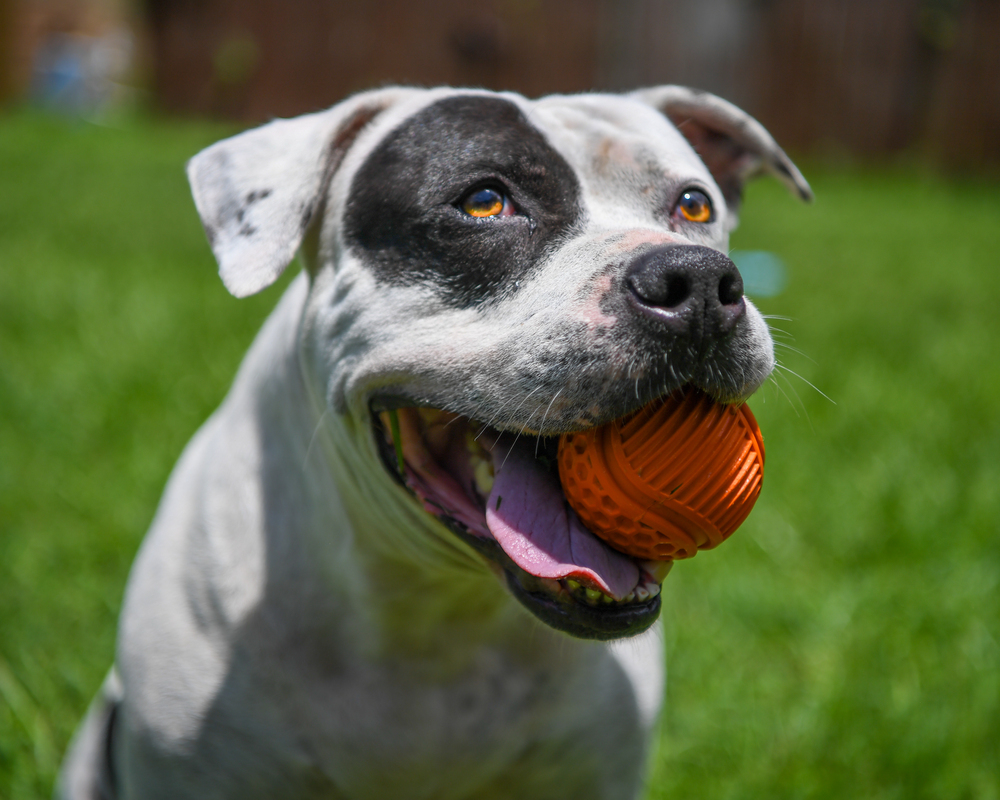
[694, 206]
[487, 203]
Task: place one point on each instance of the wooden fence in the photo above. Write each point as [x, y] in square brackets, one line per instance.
[872, 77]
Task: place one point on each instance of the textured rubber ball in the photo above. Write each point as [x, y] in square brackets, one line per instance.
[677, 476]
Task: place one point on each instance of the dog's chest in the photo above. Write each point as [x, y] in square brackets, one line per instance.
[499, 730]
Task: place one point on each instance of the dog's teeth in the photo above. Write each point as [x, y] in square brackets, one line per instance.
[607, 599]
[653, 588]
[482, 471]
[593, 595]
[658, 569]
[482, 464]
[641, 594]
[629, 598]
[572, 585]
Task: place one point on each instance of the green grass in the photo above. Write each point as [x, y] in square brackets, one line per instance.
[844, 643]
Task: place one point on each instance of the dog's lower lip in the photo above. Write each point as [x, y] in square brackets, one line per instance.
[562, 611]
[585, 621]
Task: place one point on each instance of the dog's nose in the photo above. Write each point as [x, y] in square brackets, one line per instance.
[691, 290]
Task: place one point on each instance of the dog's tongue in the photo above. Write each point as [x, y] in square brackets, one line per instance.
[528, 516]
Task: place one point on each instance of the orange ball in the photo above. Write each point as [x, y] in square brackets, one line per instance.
[677, 476]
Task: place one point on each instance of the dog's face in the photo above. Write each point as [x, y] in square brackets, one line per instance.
[489, 272]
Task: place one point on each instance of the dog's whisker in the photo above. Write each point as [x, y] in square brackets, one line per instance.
[773, 380]
[789, 348]
[538, 439]
[518, 435]
[511, 450]
[513, 414]
[473, 417]
[489, 424]
[802, 405]
[779, 375]
[806, 381]
[456, 418]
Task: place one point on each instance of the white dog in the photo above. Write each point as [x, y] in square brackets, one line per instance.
[361, 578]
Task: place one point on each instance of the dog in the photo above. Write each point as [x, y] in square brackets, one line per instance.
[363, 580]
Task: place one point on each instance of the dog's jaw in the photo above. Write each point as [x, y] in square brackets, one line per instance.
[459, 472]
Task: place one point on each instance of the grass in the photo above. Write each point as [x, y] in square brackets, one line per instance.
[845, 643]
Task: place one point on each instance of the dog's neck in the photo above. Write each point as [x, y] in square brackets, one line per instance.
[396, 582]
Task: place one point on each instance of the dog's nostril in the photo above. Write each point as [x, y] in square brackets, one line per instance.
[730, 288]
[663, 288]
[677, 289]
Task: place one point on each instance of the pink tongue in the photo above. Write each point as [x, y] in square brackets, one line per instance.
[528, 516]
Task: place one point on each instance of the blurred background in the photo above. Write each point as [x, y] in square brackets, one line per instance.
[864, 77]
[845, 642]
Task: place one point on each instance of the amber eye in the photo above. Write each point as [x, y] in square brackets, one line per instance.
[695, 206]
[484, 203]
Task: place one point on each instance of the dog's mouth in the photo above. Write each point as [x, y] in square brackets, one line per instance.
[500, 493]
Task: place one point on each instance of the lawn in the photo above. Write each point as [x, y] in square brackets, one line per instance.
[844, 643]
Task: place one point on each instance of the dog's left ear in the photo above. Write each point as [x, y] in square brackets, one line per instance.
[257, 192]
[733, 145]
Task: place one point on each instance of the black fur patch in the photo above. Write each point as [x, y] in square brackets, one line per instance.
[259, 194]
[403, 216]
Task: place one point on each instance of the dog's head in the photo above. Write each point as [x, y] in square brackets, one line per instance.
[487, 272]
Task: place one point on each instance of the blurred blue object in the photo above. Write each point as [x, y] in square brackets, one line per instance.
[81, 74]
[764, 273]
[59, 79]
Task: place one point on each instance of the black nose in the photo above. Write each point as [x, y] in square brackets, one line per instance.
[692, 290]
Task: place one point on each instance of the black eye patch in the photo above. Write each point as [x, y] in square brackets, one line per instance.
[404, 213]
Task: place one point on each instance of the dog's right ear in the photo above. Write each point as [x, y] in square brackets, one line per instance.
[733, 145]
[258, 191]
